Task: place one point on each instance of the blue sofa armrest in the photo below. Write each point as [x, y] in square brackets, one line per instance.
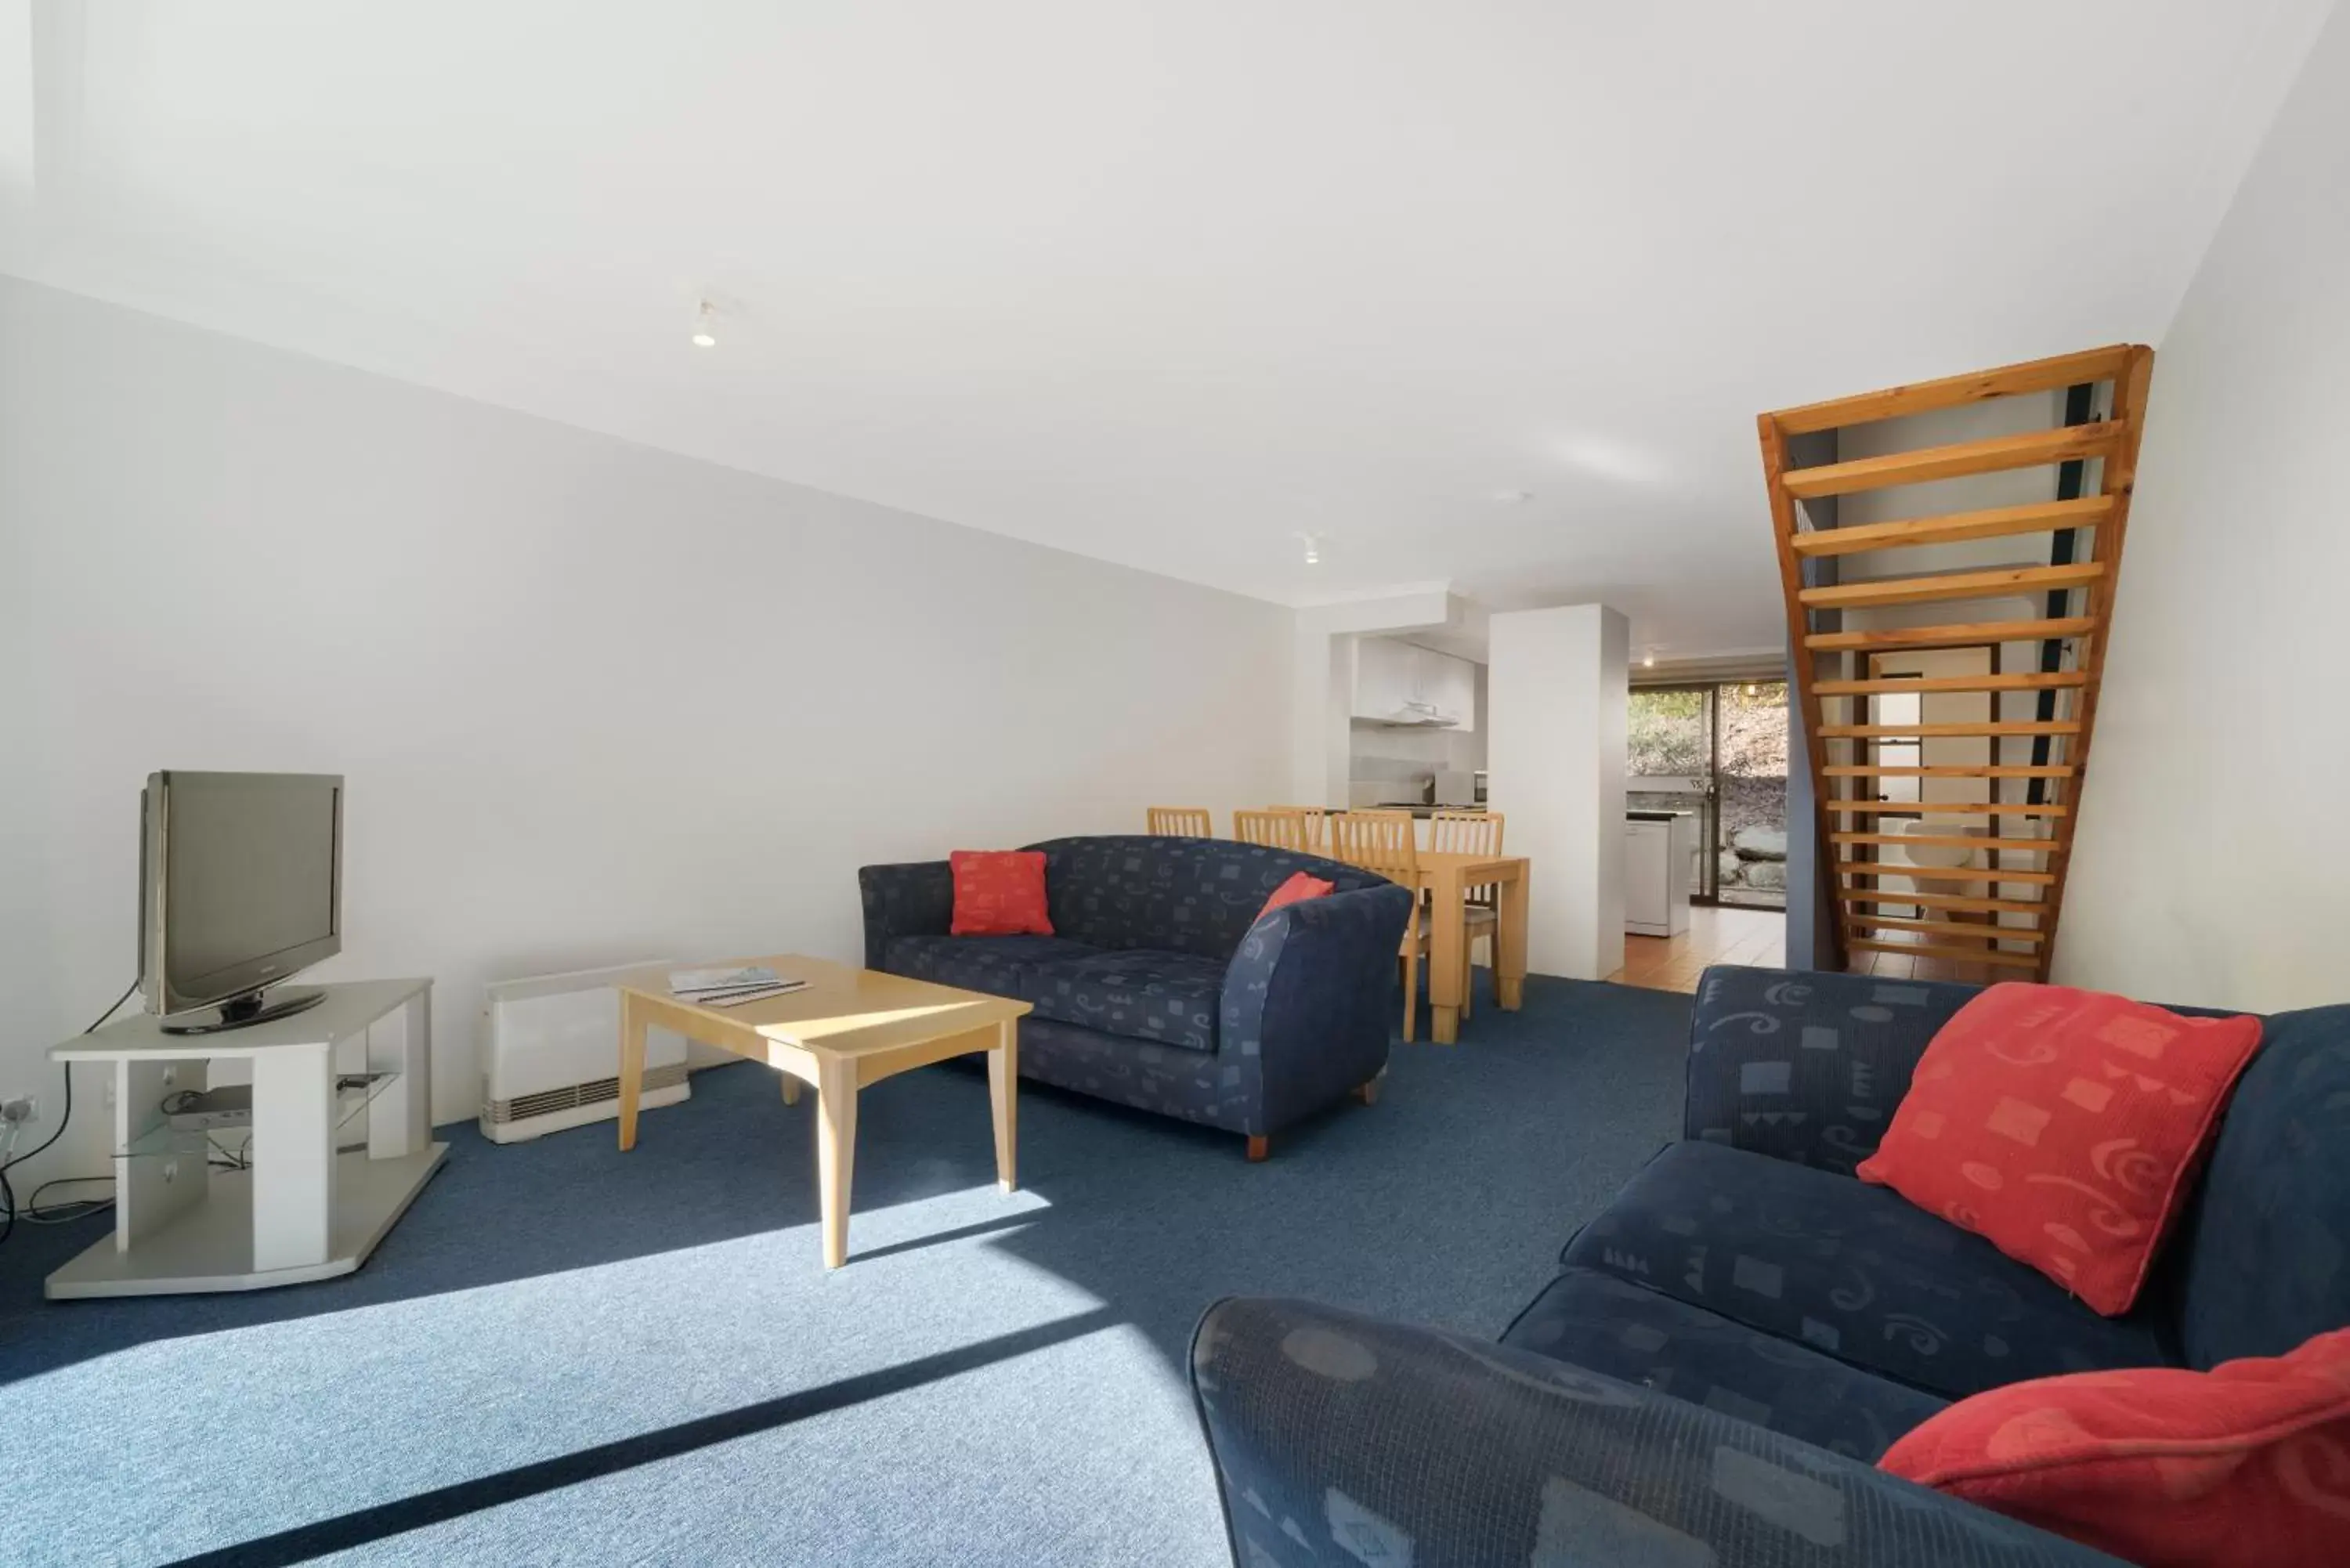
[1310, 1000]
[915, 899]
[1343, 1439]
[1806, 1065]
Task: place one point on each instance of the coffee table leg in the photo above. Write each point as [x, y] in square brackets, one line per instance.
[632, 1067]
[1003, 1100]
[836, 1152]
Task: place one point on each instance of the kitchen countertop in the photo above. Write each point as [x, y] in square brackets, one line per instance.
[1419, 810]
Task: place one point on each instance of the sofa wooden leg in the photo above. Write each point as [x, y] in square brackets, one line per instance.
[1368, 1092]
[1258, 1148]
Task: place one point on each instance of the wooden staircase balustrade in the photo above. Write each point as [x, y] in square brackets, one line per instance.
[2050, 681]
[2048, 656]
[1952, 929]
[2005, 583]
[1956, 527]
[1973, 633]
[1924, 466]
[1937, 900]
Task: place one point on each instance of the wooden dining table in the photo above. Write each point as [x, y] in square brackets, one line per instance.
[1446, 875]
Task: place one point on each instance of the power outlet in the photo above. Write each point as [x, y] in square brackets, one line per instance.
[20, 1110]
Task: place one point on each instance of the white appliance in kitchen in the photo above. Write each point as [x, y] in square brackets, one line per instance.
[1658, 846]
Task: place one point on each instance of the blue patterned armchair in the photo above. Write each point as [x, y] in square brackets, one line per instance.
[1728, 1348]
[1160, 987]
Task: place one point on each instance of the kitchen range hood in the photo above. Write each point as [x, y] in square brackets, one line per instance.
[1421, 716]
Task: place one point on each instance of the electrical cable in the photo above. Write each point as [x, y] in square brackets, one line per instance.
[55, 1214]
[7, 1192]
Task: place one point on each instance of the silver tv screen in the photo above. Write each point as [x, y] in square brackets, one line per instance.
[251, 867]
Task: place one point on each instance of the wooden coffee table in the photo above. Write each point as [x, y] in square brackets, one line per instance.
[847, 1028]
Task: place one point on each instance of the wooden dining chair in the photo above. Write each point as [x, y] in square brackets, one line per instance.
[1317, 825]
[1277, 827]
[1471, 832]
[1385, 842]
[1182, 821]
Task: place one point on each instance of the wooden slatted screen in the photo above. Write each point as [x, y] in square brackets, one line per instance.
[2010, 875]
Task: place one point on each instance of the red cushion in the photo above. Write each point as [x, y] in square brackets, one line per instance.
[999, 893]
[2063, 1127]
[1300, 887]
[2248, 1463]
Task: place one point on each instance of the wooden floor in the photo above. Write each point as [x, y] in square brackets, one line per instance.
[1908, 966]
[1718, 934]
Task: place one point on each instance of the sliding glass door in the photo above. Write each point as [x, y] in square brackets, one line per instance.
[1717, 751]
[1668, 765]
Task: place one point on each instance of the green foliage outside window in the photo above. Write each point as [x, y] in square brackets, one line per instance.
[1666, 734]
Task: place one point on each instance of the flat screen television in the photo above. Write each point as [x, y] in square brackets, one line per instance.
[240, 887]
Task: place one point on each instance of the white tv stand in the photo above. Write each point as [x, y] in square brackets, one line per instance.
[303, 1211]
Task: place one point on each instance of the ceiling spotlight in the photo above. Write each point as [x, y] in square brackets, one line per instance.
[1313, 547]
[1648, 659]
[705, 317]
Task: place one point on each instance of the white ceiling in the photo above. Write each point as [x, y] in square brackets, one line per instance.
[1169, 282]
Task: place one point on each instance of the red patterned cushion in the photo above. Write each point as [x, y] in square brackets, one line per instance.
[2246, 1464]
[999, 893]
[2063, 1126]
[1299, 888]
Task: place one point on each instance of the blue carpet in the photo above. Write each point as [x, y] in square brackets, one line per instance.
[566, 1354]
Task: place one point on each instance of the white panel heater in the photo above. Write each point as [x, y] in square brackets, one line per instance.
[551, 1057]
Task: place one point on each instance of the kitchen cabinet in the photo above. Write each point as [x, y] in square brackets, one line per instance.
[1403, 683]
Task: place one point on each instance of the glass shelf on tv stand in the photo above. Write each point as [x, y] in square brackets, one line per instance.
[231, 1144]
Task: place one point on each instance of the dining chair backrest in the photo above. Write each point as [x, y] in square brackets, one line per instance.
[1465, 832]
[1380, 841]
[1468, 832]
[1317, 825]
[1182, 821]
[1277, 828]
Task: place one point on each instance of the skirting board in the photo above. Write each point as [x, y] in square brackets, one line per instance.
[210, 1248]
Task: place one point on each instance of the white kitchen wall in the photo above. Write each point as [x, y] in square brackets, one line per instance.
[595, 702]
[2210, 862]
[1386, 763]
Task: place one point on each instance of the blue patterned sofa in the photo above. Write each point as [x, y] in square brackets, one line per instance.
[1160, 987]
[1728, 1348]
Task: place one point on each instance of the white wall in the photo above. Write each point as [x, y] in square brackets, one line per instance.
[1558, 692]
[595, 702]
[2211, 866]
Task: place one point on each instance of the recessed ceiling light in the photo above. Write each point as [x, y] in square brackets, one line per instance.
[705, 319]
[1313, 547]
[1513, 497]
[1648, 659]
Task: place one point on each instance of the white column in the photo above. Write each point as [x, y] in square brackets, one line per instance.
[1557, 704]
